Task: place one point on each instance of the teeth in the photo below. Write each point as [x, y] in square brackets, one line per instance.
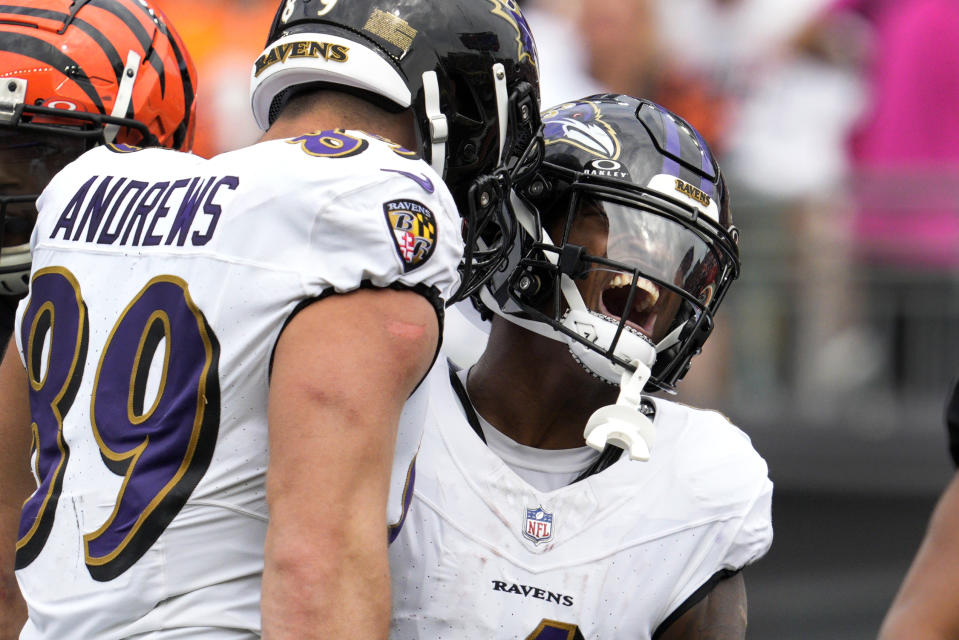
[650, 288]
[623, 280]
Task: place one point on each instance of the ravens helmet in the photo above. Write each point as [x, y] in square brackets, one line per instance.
[75, 74]
[625, 245]
[466, 68]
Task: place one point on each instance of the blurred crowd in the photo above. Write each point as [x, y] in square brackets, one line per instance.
[837, 126]
[836, 122]
[224, 37]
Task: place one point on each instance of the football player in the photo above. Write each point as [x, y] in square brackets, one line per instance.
[73, 75]
[554, 497]
[926, 607]
[66, 88]
[218, 351]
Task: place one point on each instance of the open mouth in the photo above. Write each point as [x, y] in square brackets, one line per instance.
[616, 295]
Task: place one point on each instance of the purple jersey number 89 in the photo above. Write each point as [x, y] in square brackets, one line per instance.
[162, 451]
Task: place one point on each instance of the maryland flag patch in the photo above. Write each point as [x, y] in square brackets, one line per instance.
[414, 231]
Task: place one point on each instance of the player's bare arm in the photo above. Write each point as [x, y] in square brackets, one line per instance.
[333, 411]
[925, 607]
[16, 483]
[721, 615]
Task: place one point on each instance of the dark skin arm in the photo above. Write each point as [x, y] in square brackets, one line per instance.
[721, 615]
[16, 484]
[926, 607]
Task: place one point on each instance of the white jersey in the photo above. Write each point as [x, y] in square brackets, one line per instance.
[484, 554]
[167, 279]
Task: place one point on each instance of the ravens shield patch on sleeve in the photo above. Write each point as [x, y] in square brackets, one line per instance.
[414, 231]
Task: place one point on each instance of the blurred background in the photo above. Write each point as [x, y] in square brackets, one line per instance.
[837, 124]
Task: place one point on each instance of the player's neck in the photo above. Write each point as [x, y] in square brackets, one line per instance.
[532, 390]
[329, 110]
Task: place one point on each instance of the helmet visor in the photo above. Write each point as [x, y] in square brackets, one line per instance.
[645, 268]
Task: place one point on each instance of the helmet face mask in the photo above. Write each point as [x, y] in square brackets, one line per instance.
[30, 159]
[617, 254]
[75, 74]
[465, 68]
[89, 127]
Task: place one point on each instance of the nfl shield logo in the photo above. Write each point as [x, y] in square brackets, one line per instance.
[539, 525]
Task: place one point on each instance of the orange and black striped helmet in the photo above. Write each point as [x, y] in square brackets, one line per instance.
[107, 70]
[75, 74]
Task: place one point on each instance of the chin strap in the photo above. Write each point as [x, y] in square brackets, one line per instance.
[530, 325]
[623, 424]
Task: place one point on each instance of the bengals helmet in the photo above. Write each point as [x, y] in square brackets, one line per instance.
[625, 245]
[466, 68]
[75, 74]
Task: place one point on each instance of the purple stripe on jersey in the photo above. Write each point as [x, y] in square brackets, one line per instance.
[423, 180]
[670, 166]
[393, 531]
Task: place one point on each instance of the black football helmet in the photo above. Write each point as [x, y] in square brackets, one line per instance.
[467, 69]
[625, 245]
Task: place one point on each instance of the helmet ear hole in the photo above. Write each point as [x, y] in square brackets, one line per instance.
[532, 287]
[468, 108]
[548, 195]
[537, 188]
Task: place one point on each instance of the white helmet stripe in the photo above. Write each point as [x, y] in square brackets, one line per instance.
[439, 127]
[124, 95]
[502, 104]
